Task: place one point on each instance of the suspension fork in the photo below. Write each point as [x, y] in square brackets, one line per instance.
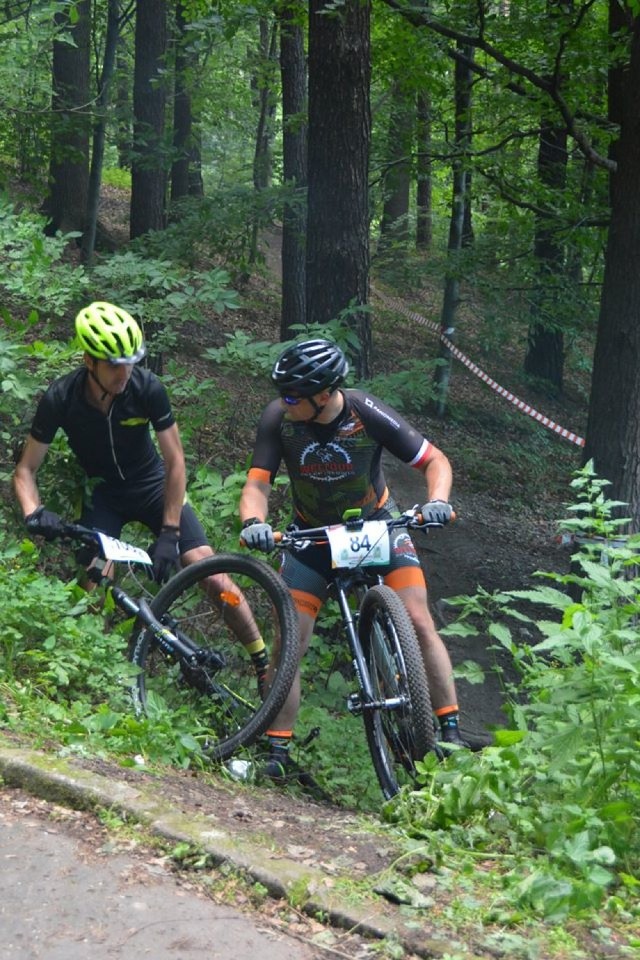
[168, 642]
[361, 670]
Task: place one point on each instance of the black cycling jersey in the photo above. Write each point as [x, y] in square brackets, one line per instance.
[337, 466]
[118, 446]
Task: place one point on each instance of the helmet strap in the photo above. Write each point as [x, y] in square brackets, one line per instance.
[317, 408]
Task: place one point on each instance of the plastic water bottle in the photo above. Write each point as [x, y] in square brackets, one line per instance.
[239, 769]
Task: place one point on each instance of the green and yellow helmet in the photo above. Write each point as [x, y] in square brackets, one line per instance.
[107, 332]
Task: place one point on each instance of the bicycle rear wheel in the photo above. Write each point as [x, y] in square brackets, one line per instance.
[215, 606]
[403, 732]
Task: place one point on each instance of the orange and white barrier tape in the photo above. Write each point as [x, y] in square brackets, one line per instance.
[569, 435]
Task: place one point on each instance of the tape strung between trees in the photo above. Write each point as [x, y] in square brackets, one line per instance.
[569, 435]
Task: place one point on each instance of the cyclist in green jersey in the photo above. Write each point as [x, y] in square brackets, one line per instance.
[331, 441]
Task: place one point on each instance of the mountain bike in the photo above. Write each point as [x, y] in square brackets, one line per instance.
[392, 690]
[187, 642]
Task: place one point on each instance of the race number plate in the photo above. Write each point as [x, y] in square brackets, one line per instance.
[122, 552]
[365, 547]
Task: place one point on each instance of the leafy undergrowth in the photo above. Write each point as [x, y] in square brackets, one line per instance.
[540, 826]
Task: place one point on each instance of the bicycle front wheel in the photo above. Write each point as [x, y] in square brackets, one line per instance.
[399, 731]
[217, 607]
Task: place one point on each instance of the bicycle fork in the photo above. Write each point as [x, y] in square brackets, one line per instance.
[357, 703]
[171, 644]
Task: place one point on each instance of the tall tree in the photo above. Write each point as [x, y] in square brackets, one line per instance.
[339, 141]
[70, 119]
[150, 156]
[293, 73]
[99, 130]
[397, 179]
[545, 342]
[613, 428]
[182, 116]
[265, 101]
[457, 220]
[424, 229]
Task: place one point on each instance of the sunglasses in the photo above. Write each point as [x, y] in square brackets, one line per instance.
[291, 401]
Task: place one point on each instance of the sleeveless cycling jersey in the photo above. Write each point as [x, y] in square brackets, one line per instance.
[118, 446]
[337, 466]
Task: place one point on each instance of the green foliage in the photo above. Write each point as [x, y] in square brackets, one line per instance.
[410, 390]
[162, 294]
[557, 796]
[257, 357]
[65, 678]
[33, 270]
[220, 226]
[116, 177]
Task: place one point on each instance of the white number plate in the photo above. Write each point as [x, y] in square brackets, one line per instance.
[123, 552]
[366, 547]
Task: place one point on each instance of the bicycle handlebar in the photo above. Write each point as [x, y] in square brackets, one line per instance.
[411, 519]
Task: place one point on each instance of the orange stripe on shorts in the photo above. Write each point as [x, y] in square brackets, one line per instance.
[306, 603]
[405, 577]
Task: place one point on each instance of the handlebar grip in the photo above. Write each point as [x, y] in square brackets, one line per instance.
[278, 536]
[420, 519]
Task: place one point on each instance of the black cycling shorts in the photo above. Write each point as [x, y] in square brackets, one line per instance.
[307, 570]
[109, 509]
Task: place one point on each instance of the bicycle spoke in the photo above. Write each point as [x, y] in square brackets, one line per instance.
[216, 608]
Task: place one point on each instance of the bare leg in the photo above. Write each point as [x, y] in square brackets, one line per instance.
[286, 718]
[434, 653]
[222, 591]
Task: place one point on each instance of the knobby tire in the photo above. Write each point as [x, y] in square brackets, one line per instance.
[220, 699]
[396, 737]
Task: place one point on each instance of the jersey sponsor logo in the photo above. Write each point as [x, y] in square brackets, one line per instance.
[134, 422]
[402, 546]
[383, 413]
[326, 462]
[351, 426]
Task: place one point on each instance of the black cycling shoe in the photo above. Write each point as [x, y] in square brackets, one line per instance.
[278, 766]
[450, 740]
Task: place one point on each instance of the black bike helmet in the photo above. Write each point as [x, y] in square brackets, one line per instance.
[310, 367]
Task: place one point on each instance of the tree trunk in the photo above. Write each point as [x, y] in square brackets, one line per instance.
[99, 131]
[339, 139]
[613, 428]
[397, 180]
[123, 110]
[294, 161]
[424, 227]
[545, 345]
[265, 102]
[181, 112]
[70, 125]
[148, 170]
[456, 226]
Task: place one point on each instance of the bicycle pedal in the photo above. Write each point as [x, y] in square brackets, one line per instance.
[354, 703]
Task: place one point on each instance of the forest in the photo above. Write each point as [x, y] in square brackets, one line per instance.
[236, 175]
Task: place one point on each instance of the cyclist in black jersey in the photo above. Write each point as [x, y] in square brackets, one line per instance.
[331, 441]
[106, 408]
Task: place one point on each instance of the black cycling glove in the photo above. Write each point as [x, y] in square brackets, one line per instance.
[44, 523]
[258, 535]
[436, 511]
[165, 553]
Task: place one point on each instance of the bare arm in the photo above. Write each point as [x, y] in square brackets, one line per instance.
[24, 477]
[438, 475]
[175, 483]
[254, 500]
